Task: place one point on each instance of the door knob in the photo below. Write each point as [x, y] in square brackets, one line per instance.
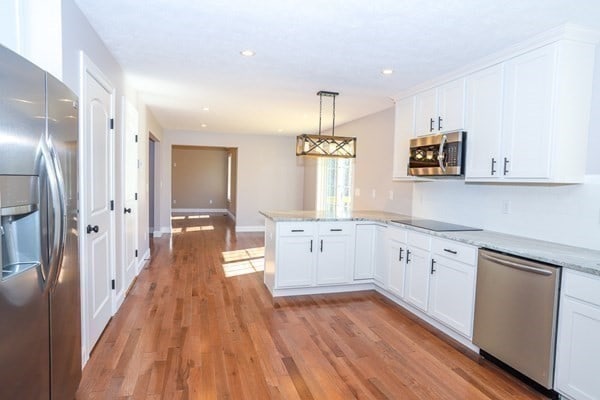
[127, 211]
[91, 229]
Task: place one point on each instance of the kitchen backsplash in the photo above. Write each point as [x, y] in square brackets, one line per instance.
[568, 214]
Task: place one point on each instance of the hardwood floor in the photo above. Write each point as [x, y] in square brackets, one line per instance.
[199, 324]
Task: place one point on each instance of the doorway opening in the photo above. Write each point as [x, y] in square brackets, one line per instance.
[204, 180]
[153, 148]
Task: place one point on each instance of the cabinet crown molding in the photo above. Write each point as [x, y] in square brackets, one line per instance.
[567, 31]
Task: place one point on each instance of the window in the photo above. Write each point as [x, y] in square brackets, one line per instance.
[334, 184]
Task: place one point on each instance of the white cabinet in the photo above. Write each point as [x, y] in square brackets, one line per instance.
[396, 260]
[310, 253]
[578, 347]
[484, 122]
[404, 129]
[335, 255]
[295, 254]
[380, 268]
[417, 270]
[528, 117]
[452, 284]
[364, 251]
[440, 109]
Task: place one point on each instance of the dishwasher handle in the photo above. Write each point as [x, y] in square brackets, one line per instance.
[522, 267]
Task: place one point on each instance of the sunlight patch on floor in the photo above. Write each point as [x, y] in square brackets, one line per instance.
[199, 228]
[243, 254]
[178, 217]
[243, 267]
[198, 216]
[244, 261]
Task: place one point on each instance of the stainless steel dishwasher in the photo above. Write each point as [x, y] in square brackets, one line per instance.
[516, 306]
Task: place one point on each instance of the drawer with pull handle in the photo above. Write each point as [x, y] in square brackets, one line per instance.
[296, 228]
[454, 250]
[336, 228]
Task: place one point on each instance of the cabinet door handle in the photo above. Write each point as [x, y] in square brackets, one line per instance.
[493, 165]
[431, 121]
[335, 230]
[432, 266]
[297, 230]
[506, 161]
[400, 254]
[91, 229]
[450, 251]
[321, 245]
[407, 256]
[440, 119]
[311, 245]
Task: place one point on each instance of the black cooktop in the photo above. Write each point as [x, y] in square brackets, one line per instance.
[433, 225]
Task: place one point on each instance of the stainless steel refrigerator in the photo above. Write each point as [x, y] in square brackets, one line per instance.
[40, 317]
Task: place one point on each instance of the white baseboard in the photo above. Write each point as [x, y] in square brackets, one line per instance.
[250, 228]
[142, 261]
[157, 233]
[199, 210]
[231, 215]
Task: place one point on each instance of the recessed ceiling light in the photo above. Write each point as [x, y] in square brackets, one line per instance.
[247, 53]
[387, 71]
[205, 109]
[203, 125]
[279, 130]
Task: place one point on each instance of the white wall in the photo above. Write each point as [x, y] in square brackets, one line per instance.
[269, 177]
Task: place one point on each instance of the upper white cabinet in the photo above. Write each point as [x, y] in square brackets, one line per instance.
[528, 117]
[440, 109]
[484, 122]
[404, 129]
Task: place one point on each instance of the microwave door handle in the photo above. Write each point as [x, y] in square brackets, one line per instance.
[441, 153]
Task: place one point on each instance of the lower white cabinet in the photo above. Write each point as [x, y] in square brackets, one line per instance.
[577, 370]
[364, 251]
[334, 259]
[310, 253]
[417, 277]
[452, 294]
[396, 260]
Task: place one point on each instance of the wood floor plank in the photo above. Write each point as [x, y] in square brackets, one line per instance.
[199, 324]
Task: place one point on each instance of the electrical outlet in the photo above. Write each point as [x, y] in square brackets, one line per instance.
[391, 195]
[505, 206]
[210, 202]
[373, 193]
[356, 192]
[174, 201]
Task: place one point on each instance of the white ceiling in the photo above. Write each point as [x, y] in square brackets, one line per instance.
[183, 55]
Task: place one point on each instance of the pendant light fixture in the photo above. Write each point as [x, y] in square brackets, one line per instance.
[326, 145]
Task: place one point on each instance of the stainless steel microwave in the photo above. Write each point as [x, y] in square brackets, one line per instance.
[437, 155]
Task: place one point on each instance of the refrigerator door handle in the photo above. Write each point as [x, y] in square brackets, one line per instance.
[63, 209]
[49, 271]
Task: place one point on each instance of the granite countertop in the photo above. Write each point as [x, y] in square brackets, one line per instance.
[576, 258]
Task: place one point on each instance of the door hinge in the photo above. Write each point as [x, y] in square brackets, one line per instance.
[113, 284]
[136, 196]
[112, 123]
[136, 253]
[136, 138]
[112, 205]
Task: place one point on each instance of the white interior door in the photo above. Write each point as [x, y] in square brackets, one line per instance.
[97, 190]
[130, 189]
